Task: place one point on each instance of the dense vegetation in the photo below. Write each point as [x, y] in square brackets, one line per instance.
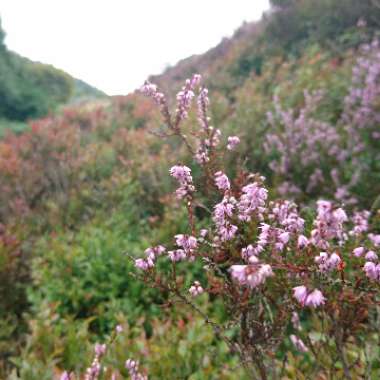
[85, 191]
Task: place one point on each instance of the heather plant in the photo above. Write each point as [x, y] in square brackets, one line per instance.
[276, 270]
[311, 156]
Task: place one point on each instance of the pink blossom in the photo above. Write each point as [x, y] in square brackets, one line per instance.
[142, 264]
[153, 252]
[233, 141]
[300, 294]
[251, 275]
[221, 181]
[298, 343]
[222, 215]
[185, 97]
[252, 201]
[375, 239]
[100, 349]
[183, 175]
[203, 232]
[133, 369]
[284, 237]
[177, 255]
[151, 90]
[360, 220]
[65, 376]
[315, 298]
[238, 272]
[187, 242]
[327, 262]
[306, 298]
[371, 256]
[302, 241]
[328, 224]
[358, 251]
[196, 289]
[372, 270]
[285, 213]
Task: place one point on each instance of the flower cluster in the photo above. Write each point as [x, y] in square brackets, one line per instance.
[251, 275]
[327, 262]
[133, 369]
[233, 142]
[183, 175]
[185, 97]
[187, 244]
[151, 90]
[196, 289]
[151, 256]
[93, 372]
[306, 298]
[328, 224]
[252, 201]
[222, 216]
[222, 182]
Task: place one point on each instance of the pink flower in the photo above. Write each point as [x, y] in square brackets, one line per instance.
[305, 298]
[227, 232]
[203, 232]
[133, 369]
[298, 343]
[284, 237]
[153, 252]
[238, 272]
[371, 256]
[187, 242]
[251, 275]
[223, 211]
[300, 294]
[142, 264]
[100, 349]
[151, 90]
[65, 376]
[252, 201]
[302, 241]
[185, 97]
[315, 298]
[221, 181]
[233, 141]
[358, 251]
[372, 270]
[375, 239]
[183, 175]
[196, 289]
[177, 255]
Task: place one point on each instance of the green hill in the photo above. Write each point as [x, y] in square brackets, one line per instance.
[29, 90]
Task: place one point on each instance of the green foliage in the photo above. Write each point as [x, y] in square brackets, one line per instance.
[29, 90]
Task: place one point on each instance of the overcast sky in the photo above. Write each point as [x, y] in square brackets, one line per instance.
[115, 44]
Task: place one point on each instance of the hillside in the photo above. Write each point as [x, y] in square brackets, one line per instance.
[31, 89]
[272, 224]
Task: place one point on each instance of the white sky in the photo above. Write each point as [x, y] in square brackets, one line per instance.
[114, 45]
